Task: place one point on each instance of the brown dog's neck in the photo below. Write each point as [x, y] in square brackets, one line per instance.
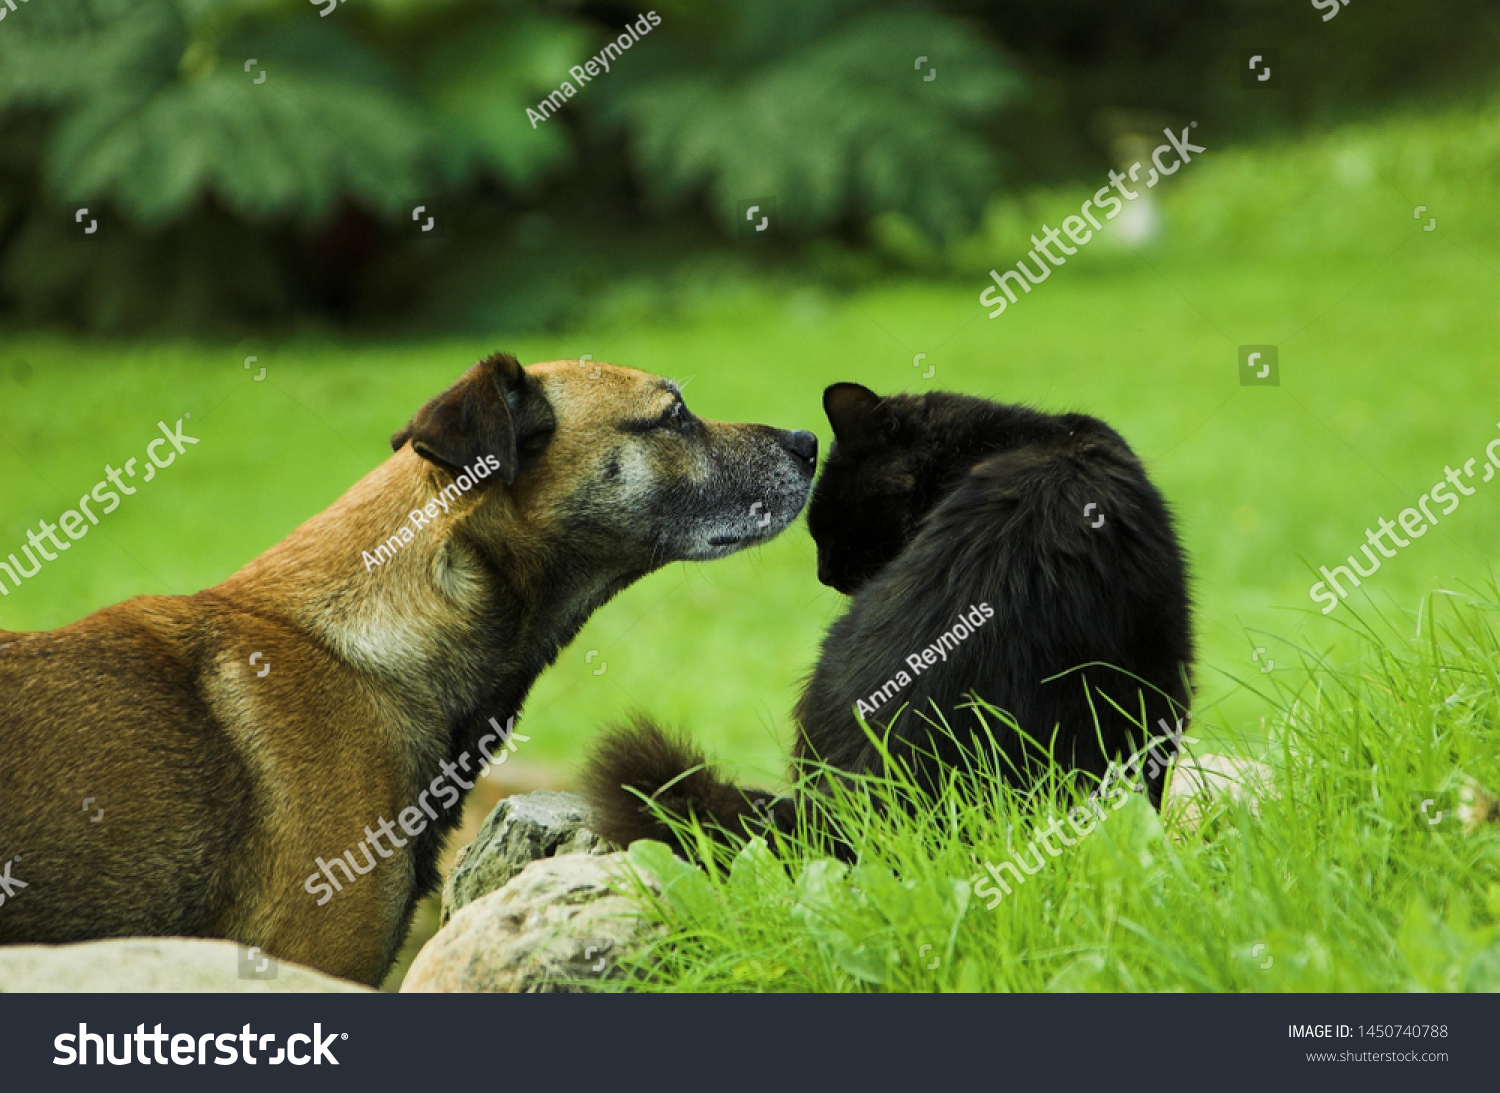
[440, 613]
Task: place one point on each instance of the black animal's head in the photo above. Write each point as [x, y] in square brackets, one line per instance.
[865, 506]
[895, 458]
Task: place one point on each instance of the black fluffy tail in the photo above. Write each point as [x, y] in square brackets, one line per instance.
[675, 775]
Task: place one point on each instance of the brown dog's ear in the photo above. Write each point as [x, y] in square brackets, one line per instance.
[858, 416]
[494, 409]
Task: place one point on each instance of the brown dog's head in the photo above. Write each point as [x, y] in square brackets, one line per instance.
[595, 458]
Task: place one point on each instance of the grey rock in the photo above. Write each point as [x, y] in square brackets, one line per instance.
[1200, 783]
[560, 923]
[157, 965]
[519, 831]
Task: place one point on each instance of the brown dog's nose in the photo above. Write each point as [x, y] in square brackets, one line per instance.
[802, 444]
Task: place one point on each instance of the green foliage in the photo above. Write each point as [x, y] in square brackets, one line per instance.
[154, 109]
[265, 202]
[478, 85]
[1332, 881]
[153, 114]
[819, 103]
[217, 187]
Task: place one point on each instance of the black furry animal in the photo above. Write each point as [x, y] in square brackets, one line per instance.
[990, 551]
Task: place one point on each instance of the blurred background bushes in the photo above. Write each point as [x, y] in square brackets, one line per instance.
[226, 204]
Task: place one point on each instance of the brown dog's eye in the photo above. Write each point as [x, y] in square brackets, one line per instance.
[677, 418]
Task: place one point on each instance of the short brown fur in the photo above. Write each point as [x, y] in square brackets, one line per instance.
[221, 787]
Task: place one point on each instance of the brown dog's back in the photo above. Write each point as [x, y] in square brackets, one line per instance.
[156, 773]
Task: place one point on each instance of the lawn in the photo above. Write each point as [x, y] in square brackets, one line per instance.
[1365, 863]
[1387, 336]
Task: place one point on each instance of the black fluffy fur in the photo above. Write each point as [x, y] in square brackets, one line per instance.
[927, 506]
[675, 774]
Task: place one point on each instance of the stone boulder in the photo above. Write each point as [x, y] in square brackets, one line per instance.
[1200, 781]
[519, 831]
[157, 965]
[553, 928]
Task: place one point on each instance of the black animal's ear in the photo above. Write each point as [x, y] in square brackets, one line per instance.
[858, 416]
[494, 409]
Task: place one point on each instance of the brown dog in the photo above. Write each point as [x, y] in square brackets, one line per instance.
[401, 625]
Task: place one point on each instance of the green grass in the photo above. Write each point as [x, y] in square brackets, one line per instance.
[1335, 881]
